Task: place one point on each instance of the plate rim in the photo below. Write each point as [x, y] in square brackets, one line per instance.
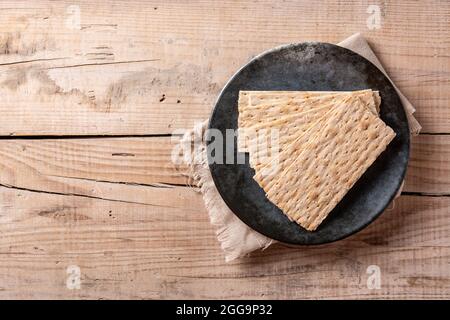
[408, 143]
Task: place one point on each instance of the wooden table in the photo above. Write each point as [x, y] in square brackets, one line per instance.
[91, 92]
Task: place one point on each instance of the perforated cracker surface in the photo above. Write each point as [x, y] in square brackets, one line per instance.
[334, 153]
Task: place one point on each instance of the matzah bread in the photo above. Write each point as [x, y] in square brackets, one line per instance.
[265, 140]
[266, 116]
[265, 175]
[287, 103]
[319, 168]
[269, 139]
[253, 98]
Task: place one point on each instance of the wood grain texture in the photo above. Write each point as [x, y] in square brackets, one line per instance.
[34, 163]
[140, 251]
[429, 165]
[136, 236]
[75, 165]
[157, 66]
[116, 206]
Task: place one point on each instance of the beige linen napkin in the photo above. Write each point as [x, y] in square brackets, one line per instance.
[235, 237]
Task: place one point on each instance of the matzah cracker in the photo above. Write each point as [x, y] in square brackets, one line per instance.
[266, 140]
[265, 175]
[253, 98]
[286, 103]
[270, 138]
[290, 122]
[337, 153]
[256, 99]
[265, 115]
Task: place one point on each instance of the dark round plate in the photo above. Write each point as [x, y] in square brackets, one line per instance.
[317, 67]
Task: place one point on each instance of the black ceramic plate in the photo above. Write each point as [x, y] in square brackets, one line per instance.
[317, 67]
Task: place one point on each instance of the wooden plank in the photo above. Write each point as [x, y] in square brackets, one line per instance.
[113, 207]
[128, 250]
[429, 165]
[75, 165]
[151, 67]
[66, 165]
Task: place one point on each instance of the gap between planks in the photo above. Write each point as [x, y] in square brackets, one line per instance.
[65, 164]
